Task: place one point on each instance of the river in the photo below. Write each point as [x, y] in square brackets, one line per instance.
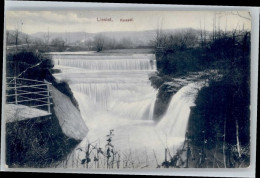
[114, 93]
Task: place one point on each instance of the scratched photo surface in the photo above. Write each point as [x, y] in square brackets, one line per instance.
[127, 89]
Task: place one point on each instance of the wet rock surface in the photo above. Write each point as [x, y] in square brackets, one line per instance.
[167, 87]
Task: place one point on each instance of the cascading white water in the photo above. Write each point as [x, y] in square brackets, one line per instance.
[114, 92]
[107, 62]
[176, 119]
[114, 84]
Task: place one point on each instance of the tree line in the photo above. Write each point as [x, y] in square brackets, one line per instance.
[17, 40]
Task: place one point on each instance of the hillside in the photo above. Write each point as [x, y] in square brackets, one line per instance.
[139, 37]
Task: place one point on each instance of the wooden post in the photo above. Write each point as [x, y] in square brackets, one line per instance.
[77, 160]
[118, 161]
[107, 159]
[15, 91]
[87, 155]
[73, 157]
[113, 158]
[188, 154]
[165, 156]
[156, 159]
[237, 136]
[224, 146]
[97, 157]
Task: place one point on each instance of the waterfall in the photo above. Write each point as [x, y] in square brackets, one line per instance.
[135, 62]
[114, 92]
[117, 84]
[175, 121]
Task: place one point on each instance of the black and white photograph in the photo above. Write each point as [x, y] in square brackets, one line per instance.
[146, 89]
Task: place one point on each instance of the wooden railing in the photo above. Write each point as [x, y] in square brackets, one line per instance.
[32, 93]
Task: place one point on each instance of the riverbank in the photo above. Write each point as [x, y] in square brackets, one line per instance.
[43, 141]
[219, 122]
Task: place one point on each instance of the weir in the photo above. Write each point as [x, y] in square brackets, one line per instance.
[114, 92]
[116, 84]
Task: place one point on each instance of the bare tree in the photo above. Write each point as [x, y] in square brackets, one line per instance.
[189, 38]
[201, 35]
[159, 40]
[27, 40]
[242, 16]
[99, 42]
[89, 44]
[16, 35]
[45, 39]
[111, 43]
[7, 36]
[58, 43]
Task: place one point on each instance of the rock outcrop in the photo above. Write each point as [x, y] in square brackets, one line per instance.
[68, 115]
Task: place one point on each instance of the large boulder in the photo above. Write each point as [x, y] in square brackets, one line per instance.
[68, 115]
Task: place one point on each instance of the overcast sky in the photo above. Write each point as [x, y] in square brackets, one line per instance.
[86, 21]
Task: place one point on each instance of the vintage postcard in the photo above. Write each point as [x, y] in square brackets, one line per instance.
[121, 88]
